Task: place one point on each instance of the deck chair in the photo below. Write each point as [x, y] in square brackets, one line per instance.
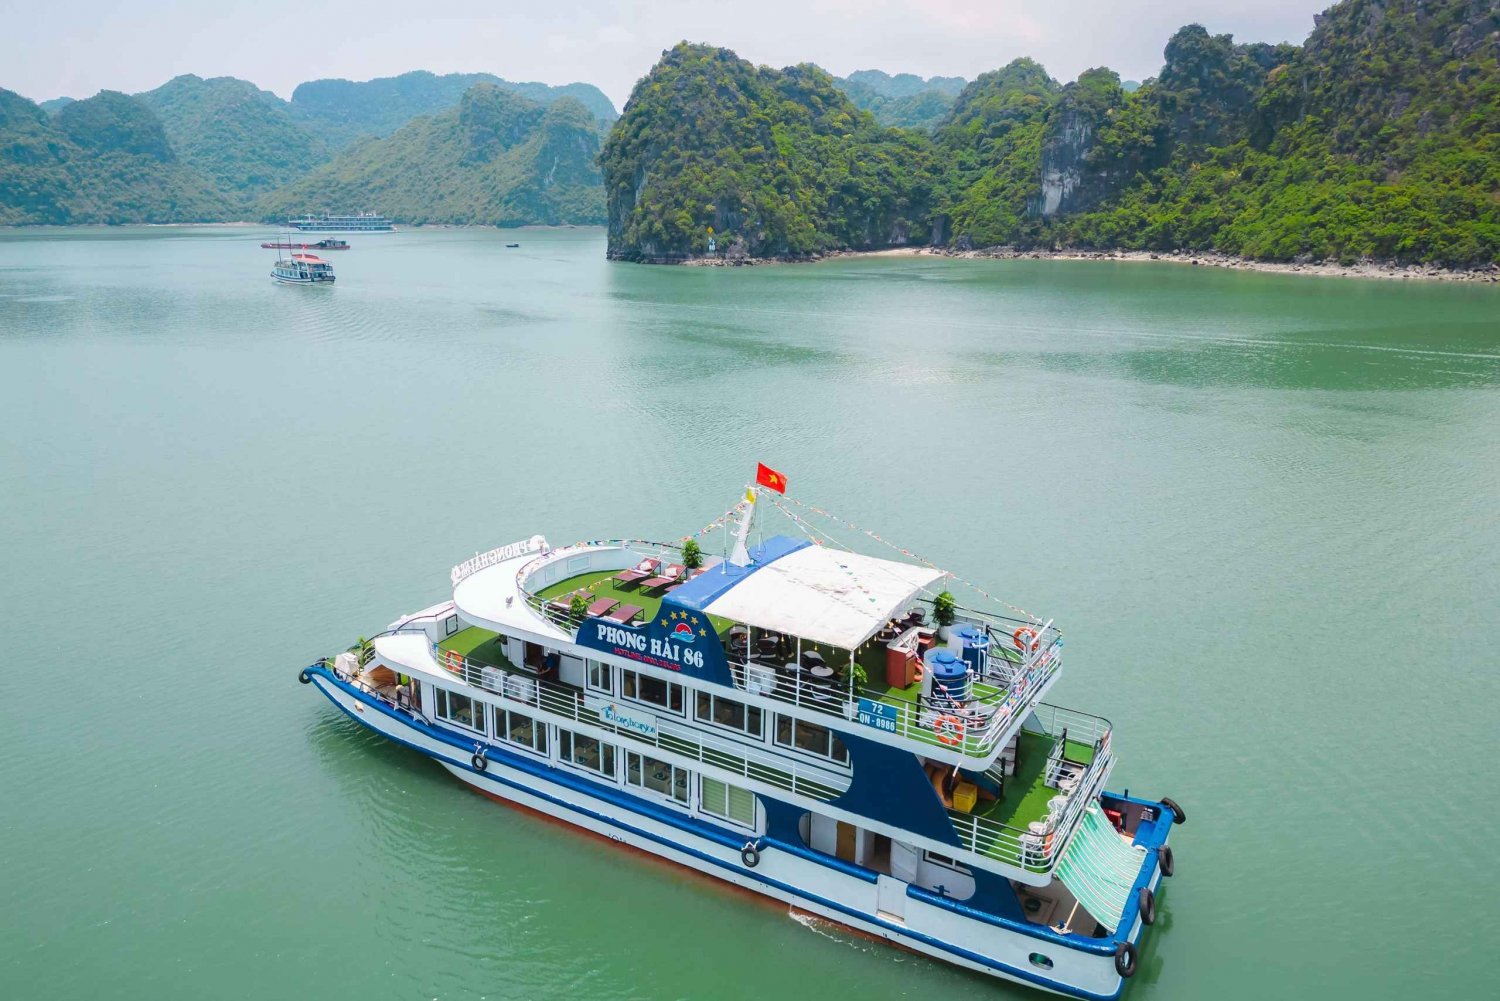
[601, 606]
[642, 570]
[670, 575]
[625, 613]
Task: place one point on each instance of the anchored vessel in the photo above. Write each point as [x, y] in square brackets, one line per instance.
[793, 718]
[302, 269]
[364, 222]
[327, 244]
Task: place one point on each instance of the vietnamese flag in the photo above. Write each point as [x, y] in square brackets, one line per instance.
[769, 478]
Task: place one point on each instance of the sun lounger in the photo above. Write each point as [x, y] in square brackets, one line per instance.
[564, 602]
[624, 613]
[602, 605]
[671, 575]
[642, 570]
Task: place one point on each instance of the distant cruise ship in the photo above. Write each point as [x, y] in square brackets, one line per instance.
[364, 222]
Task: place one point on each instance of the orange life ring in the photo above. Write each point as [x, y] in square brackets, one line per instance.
[453, 661]
[1024, 636]
[949, 730]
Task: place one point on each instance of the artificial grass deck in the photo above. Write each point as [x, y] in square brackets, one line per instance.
[601, 584]
[479, 645]
[1026, 792]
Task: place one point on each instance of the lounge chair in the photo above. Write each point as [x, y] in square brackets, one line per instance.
[601, 606]
[564, 602]
[670, 575]
[642, 570]
[625, 613]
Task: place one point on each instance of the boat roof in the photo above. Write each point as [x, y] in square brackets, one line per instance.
[308, 258]
[795, 587]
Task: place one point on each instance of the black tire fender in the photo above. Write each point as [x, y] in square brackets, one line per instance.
[1178, 816]
[750, 855]
[479, 761]
[1164, 856]
[304, 677]
[1147, 901]
[1125, 960]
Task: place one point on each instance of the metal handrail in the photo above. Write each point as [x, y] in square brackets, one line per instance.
[1040, 853]
[568, 702]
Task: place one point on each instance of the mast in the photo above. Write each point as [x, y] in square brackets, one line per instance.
[740, 557]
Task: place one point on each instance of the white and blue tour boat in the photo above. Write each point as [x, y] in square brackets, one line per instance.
[821, 726]
[302, 269]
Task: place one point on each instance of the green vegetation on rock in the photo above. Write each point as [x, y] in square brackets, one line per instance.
[1377, 138]
[342, 111]
[497, 158]
[904, 100]
[767, 162]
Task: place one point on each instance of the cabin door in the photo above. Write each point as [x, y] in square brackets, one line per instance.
[890, 897]
[844, 846]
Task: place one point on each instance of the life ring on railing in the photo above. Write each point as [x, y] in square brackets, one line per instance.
[949, 730]
[453, 661]
[1025, 639]
[304, 677]
[1148, 905]
[479, 761]
[1125, 960]
[750, 855]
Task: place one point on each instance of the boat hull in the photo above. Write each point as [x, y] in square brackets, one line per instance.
[807, 881]
[302, 281]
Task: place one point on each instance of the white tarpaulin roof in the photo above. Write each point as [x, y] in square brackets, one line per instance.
[825, 595]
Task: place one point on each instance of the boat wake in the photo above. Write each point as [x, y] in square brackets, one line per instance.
[831, 930]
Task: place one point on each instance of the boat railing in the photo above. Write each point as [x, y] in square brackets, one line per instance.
[573, 704]
[972, 727]
[1040, 847]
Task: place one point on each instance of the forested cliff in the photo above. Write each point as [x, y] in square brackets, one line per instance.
[1376, 138]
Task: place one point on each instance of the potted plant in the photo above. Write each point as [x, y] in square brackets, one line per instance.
[692, 555]
[943, 613]
[578, 608]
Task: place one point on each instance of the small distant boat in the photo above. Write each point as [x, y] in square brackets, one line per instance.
[328, 244]
[303, 269]
[512, 244]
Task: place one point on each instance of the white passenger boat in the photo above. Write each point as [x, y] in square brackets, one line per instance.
[362, 222]
[302, 269]
[821, 726]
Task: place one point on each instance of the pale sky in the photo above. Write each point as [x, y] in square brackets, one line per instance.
[78, 47]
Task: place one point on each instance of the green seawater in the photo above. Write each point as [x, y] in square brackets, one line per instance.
[1262, 508]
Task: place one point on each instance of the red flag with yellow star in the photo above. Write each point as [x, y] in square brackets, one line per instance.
[769, 478]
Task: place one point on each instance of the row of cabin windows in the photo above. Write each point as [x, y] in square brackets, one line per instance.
[798, 735]
[715, 798]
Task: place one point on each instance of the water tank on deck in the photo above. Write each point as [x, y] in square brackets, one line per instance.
[949, 674]
[975, 647]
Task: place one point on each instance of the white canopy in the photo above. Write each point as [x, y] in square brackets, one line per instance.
[824, 595]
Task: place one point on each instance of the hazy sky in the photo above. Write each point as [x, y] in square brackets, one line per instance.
[77, 48]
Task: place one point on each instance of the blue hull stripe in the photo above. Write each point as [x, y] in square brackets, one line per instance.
[723, 838]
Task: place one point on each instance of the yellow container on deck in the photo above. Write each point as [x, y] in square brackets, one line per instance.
[964, 797]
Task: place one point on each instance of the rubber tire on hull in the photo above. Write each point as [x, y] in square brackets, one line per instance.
[1148, 905]
[1178, 817]
[479, 761]
[304, 677]
[750, 855]
[1125, 960]
[1168, 863]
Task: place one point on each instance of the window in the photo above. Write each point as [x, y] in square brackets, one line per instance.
[810, 738]
[658, 776]
[586, 752]
[724, 712]
[523, 730]
[945, 862]
[601, 677]
[642, 688]
[460, 709]
[450, 625]
[720, 799]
